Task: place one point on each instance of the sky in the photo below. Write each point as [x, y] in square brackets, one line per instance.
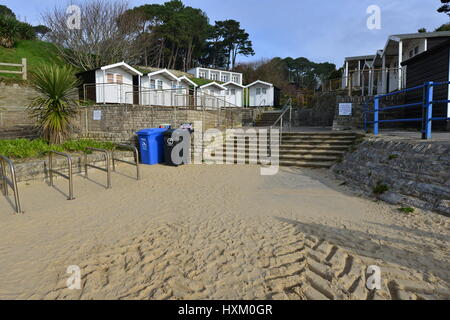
[320, 30]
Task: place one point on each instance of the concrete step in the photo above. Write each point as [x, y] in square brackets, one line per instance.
[312, 137]
[319, 152]
[291, 163]
[310, 157]
[287, 151]
[296, 147]
[307, 164]
[317, 142]
[333, 133]
[288, 156]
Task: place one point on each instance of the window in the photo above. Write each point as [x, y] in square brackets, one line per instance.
[214, 76]
[212, 92]
[227, 93]
[160, 84]
[119, 78]
[416, 50]
[258, 91]
[225, 78]
[411, 53]
[110, 77]
[236, 79]
[152, 84]
[202, 74]
[233, 92]
[264, 91]
[173, 84]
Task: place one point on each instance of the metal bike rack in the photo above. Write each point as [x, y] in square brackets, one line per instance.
[10, 182]
[67, 177]
[136, 158]
[108, 166]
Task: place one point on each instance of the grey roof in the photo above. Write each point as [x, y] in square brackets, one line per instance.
[360, 58]
[420, 35]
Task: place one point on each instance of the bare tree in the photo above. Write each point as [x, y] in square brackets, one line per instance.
[102, 37]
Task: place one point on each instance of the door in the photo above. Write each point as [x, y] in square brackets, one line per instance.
[259, 98]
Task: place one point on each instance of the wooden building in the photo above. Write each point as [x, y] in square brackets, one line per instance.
[431, 65]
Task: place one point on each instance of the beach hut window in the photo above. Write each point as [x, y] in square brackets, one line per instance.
[264, 90]
[119, 78]
[152, 84]
[233, 92]
[110, 78]
[160, 84]
[258, 91]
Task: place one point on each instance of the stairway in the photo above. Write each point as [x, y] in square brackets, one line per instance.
[267, 118]
[313, 150]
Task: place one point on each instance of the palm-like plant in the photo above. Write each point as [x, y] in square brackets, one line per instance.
[55, 107]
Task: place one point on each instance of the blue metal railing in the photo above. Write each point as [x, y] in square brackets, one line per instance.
[426, 103]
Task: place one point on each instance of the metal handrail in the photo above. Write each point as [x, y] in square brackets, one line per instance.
[287, 107]
[10, 182]
[67, 177]
[427, 104]
[107, 160]
[136, 158]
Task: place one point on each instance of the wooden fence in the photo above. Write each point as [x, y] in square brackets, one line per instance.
[23, 67]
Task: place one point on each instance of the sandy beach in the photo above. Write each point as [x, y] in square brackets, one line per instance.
[218, 232]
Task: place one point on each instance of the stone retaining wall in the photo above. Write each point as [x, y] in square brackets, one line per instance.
[119, 123]
[416, 174]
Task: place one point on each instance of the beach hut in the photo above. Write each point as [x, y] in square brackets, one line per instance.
[115, 83]
[234, 94]
[211, 95]
[263, 94]
[186, 92]
[159, 88]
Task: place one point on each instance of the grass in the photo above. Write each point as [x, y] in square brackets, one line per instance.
[407, 210]
[36, 52]
[25, 149]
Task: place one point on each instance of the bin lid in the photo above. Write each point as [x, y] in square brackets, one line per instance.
[148, 132]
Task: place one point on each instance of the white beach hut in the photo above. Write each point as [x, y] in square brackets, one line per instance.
[261, 94]
[234, 94]
[116, 83]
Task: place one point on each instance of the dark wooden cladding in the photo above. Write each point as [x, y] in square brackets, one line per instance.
[432, 65]
[433, 42]
[87, 77]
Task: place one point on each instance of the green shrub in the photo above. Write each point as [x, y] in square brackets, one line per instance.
[12, 30]
[407, 210]
[380, 189]
[23, 148]
[393, 156]
[9, 31]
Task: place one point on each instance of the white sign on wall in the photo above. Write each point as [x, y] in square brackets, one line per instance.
[345, 109]
[97, 115]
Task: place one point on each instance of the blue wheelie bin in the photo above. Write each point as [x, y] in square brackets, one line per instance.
[151, 145]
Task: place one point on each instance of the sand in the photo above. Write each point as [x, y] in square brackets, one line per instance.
[218, 232]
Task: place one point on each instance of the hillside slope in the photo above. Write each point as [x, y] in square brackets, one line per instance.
[36, 52]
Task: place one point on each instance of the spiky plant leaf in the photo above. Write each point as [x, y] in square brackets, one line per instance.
[55, 107]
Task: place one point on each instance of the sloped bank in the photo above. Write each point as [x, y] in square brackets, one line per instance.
[400, 171]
